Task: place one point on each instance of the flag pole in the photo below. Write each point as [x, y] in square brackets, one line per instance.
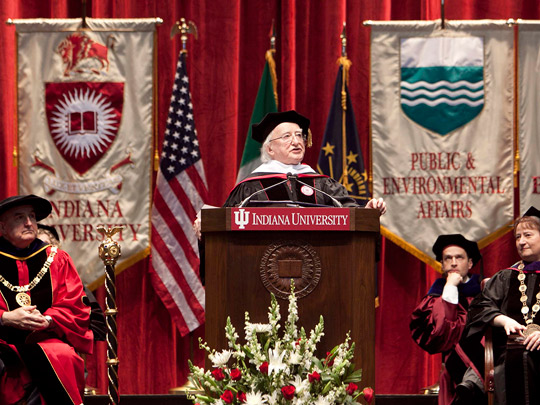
[270, 59]
[83, 12]
[266, 101]
[184, 28]
[346, 64]
[442, 14]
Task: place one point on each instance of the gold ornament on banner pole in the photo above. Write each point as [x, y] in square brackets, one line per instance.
[109, 252]
[184, 28]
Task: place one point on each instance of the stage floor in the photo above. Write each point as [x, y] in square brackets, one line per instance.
[182, 400]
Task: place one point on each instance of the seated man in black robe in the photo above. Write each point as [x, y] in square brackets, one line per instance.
[283, 136]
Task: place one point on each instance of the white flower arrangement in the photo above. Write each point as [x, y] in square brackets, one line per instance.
[274, 371]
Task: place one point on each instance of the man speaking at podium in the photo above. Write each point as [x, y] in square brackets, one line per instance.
[283, 177]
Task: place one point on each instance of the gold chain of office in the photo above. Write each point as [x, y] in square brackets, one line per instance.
[22, 297]
[531, 327]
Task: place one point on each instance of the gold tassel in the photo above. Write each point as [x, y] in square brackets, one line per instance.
[15, 156]
[346, 63]
[272, 64]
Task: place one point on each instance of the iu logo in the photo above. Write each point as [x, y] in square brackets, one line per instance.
[83, 118]
[241, 218]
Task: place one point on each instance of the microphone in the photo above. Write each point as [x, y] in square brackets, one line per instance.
[249, 197]
[336, 202]
[292, 182]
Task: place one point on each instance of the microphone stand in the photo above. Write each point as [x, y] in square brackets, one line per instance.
[249, 197]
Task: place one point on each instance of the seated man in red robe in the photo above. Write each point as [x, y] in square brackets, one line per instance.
[43, 317]
[437, 323]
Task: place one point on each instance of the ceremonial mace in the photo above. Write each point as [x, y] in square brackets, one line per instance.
[109, 252]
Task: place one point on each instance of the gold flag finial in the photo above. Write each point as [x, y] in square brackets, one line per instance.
[343, 37]
[184, 28]
[272, 36]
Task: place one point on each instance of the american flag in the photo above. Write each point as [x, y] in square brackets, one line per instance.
[180, 191]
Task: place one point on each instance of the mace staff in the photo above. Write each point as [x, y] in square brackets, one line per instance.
[109, 252]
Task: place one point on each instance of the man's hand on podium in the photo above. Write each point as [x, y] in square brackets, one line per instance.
[378, 204]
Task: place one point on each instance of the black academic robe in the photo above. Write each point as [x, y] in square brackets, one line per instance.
[286, 192]
[517, 370]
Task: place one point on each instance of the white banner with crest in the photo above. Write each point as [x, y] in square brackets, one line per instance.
[528, 107]
[85, 114]
[442, 145]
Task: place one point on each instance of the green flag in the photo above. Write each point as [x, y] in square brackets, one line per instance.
[264, 103]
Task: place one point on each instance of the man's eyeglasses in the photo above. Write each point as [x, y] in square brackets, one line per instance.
[288, 137]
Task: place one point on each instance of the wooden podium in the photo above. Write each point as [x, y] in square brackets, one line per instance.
[252, 252]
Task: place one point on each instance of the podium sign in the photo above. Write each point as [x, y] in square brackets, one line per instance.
[282, 219]
[328, 252]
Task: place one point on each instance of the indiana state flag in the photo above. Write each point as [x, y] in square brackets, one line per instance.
[442, 81]
[340, 156]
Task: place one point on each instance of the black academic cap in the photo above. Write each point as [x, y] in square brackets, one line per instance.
[51, 229]
[458, 240]
[260, 131]
[42, 207]
[532, 212]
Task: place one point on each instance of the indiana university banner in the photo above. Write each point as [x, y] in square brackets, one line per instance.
[442, 144]
[85, 135]
[528, 107]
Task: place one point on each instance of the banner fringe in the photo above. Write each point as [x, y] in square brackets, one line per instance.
[482, 243]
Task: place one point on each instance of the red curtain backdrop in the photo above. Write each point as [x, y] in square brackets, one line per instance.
[225, 66]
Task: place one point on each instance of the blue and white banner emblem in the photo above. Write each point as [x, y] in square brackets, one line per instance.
[442, 81]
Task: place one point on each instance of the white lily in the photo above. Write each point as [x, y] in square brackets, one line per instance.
[300, 385]
[275, 360]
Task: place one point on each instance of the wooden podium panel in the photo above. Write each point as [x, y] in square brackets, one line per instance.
[343, 262]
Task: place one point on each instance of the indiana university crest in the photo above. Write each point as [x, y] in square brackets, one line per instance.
[83, 119]
[442, 81]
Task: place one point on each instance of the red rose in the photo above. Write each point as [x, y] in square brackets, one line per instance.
[218, 374]
[327, 361]
[241, 396]
[227, 397]
[288, 392]
[236, 374]
[368, 394]
[314, 377]
[351, 388]
[263, 368]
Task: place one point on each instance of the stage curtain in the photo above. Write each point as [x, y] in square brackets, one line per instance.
[225, 65]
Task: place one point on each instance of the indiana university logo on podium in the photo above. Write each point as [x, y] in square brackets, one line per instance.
[442, 81]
